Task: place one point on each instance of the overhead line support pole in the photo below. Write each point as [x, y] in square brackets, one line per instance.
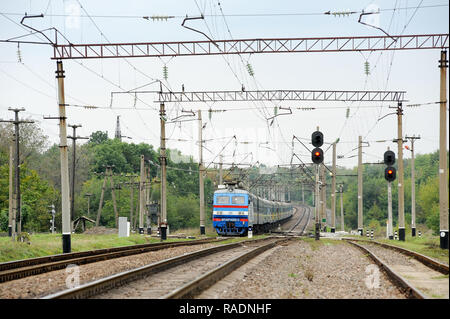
[74, 138]
[401, 186]
[341, 191]
[65, 203]
[201, 175]
[163, 163]
[317, 205]
[413, 185]
[141, 196]
[333, 191]
[12, 217]
[360, 188]
[443, 170]
[16, 211]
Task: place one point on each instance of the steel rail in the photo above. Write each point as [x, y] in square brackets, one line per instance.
[399, 281]
[34, 266]
[104, 284]
[306, 224]
[427, 261]
[205, 281]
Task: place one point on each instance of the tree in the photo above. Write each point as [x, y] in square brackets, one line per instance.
[98, 137]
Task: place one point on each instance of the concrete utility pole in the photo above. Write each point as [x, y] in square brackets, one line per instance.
[303, 193]
[323, 197]
[360, 187]
[11, 218]
[17, 198]
[341, 191]
[141, 196]
[88, 195]
[401, 188]
[74, 138]
[53, 212]
[333, 191]
[162, 159]
[148, 188]
[101, 198]
[131, 183]
[65, 203]
[443, 171]
[201, 172]
[317, 205]
[390, 226]
[108, 174]
[413, 185]
[113, 196]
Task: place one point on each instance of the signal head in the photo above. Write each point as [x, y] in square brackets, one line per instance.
[317, 155]
[317, 139]
[390, 173]
[389, 158]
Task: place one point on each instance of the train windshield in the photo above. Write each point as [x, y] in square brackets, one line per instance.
[238, 199]
[222, 200]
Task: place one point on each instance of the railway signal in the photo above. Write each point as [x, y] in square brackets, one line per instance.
[390, 174]
[317, 155]
[317, 139]
[317, 158]
[389, 158]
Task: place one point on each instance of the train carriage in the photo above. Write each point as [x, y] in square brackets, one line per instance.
[236, 209]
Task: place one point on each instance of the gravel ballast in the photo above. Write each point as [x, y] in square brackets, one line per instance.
[428, 281]
[328, 269]
[51, 282]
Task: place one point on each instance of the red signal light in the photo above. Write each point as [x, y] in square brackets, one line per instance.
[390, 171]
[317, 153]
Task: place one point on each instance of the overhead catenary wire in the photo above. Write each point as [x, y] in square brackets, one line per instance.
[243, 15]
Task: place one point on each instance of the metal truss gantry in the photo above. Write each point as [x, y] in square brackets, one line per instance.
[279, 95]
[249, 46]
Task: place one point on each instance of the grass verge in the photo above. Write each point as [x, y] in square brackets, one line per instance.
[48, 244]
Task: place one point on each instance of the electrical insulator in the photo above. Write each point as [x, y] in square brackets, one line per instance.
[367, 68]
[250, 69]
[209, 114]
[347, 114]
[340, 13]
[165, 72]
[158, 18]
[275, 111]
[19, 55]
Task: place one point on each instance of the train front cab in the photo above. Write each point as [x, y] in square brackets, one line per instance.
[230, 213]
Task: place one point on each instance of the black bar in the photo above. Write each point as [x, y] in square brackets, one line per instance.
[66, 243]
[444, 239]
[401, 234]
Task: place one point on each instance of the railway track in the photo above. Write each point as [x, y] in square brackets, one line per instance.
[418, 276]
[178, 277]
[33, 266]
[293, 231]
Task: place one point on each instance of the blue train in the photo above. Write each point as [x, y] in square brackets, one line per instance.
[235, 210]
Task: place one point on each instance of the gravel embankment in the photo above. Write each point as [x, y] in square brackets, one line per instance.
[389, 256]
[308, 269]
[428, 281]
[51, 282]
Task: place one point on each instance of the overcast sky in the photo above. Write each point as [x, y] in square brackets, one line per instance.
[27, 74]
